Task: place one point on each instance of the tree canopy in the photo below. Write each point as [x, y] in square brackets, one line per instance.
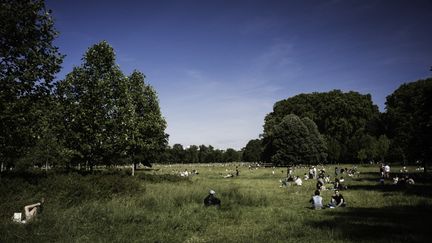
[294, 141]
[28, 64]
[342, 118]
[409, 119]
[110, 118]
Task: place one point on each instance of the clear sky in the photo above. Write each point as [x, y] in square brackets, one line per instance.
[219, 66]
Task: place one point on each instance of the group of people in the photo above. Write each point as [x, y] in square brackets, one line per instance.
[337, 200]
[186, 173]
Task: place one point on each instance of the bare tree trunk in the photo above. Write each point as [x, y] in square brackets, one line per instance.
[133, 169]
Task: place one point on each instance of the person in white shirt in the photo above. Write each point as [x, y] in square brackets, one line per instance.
[298, 181]
[316, 200]
[387, 171]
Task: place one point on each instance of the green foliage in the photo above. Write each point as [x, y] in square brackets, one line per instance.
[339, 116]
[253, 151]
[231, 155]
[409, 119]
[110, 118]
[28, 63]
[199, 154]
[296, 141]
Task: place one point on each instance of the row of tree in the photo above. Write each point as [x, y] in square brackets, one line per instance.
[95, 116]
[347, 127]
[200, 154]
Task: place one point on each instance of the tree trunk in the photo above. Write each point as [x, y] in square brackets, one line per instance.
[133, 169]
[46, 166]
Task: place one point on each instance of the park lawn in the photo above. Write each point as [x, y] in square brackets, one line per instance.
[154, 207]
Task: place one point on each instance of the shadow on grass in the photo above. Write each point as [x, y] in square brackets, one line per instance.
[375, 176]
[388, 224]
[408, 190]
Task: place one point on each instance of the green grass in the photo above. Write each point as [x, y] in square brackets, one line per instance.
[157, 206]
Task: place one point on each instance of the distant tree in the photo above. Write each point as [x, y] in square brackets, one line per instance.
[253, 151]
[409, 120]
[217, 156]
[28, 63]
[178, 153]
[192, 154]
[231, 155]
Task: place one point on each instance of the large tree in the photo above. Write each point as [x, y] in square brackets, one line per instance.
[108, 117]
[409, 117]
[339, 117]
[28, 64]
[295, 141]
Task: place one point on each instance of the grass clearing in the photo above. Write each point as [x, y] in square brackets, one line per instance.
[155, 206]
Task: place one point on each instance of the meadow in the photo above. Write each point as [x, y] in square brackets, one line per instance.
[157, 205]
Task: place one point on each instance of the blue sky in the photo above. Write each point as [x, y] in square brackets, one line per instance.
[219, 66]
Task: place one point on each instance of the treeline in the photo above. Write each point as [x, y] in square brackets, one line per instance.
[338, 127]
[95, 116]
[200, 154]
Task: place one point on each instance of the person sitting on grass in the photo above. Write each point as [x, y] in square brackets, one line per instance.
[298, 181]
[316, 200]
[211, 200]
[337, 200]
[320, 184]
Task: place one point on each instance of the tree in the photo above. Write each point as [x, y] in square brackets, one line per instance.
[409, 119]
[28, 64]
[178, 153]
[318, 146]
[253, 150]
[339, 117]
[231, 155]
[293, 142]
[148, 140]
[108, 117]
[192, 154]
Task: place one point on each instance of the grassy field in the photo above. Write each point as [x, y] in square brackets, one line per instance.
[157, 206]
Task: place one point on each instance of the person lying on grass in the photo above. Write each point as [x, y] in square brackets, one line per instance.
[30, 212]
[337, 200]
[211, 200]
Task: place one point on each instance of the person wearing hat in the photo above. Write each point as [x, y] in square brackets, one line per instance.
[211, 200]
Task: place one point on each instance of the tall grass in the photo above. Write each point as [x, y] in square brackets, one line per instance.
[159, 206]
